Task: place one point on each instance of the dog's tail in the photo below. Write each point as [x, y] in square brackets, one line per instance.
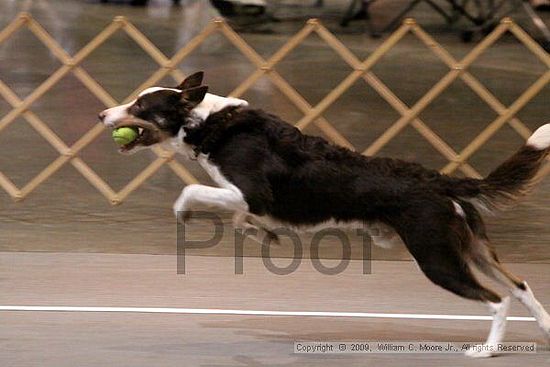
[511, 180]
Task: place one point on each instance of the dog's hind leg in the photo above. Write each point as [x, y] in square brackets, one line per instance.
[525, 295]
[483, 255]
[455, 275]
[487, 261]
[441, 253]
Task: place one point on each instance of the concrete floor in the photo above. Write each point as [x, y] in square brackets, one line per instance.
[94, 254]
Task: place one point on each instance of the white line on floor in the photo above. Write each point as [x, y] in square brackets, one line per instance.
[214, 311]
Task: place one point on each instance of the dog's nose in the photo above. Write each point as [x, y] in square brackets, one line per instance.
[101, 116]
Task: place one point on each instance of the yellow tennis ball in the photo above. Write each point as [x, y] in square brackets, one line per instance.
[125, 135]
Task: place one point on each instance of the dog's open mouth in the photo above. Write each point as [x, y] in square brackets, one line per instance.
[144, 136]
[148, 133]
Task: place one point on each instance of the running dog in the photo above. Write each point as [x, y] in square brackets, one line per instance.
[269, 172]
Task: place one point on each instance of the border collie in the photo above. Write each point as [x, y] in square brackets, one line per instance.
[269, 172]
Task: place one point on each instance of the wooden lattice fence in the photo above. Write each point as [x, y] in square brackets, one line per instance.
[362, 69]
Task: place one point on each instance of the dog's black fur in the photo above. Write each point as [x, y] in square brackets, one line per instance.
[294, 173]
[300, 179]
[305, 180]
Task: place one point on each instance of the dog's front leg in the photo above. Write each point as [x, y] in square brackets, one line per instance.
[193, 195]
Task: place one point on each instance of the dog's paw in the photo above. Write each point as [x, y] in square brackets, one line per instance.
[181, 212]
[271, 237]
[182, 209]
[184, 216]
[479, 351]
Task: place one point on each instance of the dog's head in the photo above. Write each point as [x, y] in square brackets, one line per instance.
[158, 113]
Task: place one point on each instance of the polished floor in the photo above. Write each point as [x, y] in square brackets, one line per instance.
[66, 245]
[31, 338]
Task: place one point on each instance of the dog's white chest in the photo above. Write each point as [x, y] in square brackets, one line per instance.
[178, 145]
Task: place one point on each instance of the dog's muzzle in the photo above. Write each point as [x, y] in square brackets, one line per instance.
[149, 133]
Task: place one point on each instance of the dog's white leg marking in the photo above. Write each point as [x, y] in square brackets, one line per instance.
[541, 138]
[221, 198]
[535, 308]
[227, 196]
[498, 327]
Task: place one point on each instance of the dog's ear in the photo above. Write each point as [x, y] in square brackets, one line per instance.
[192, 81]
[194, 95]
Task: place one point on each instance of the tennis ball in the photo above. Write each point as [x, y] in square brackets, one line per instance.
[125, 135]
